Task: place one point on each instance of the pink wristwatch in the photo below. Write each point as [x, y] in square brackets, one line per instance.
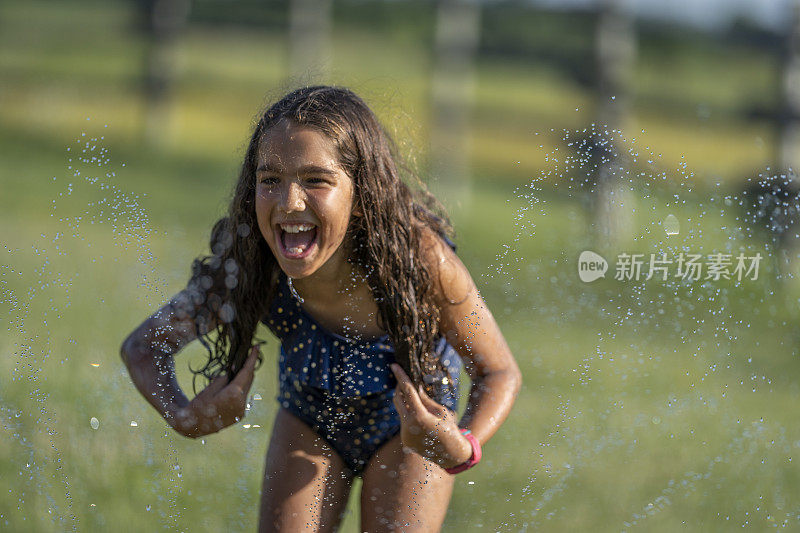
[474, 458]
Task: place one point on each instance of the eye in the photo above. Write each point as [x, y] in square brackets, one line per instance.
[267, 180]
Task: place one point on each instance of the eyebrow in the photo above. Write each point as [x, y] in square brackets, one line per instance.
[305, 169]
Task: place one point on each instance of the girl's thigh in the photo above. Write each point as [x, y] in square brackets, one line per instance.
[306, 484]
[402, 491]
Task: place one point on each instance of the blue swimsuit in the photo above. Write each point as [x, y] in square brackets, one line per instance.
[342, 388]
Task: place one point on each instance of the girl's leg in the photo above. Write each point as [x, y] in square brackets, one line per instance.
[306, 483]
[402, 491]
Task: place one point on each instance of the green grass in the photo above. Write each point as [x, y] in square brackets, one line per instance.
[649, 406]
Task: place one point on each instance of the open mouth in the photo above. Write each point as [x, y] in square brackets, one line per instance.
[296, 240]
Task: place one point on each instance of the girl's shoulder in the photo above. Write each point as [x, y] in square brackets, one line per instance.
[450, 278]
[434, 246]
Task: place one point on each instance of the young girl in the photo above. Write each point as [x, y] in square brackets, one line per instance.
[327, 246]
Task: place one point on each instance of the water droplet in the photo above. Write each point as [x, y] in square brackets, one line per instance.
[671, 225]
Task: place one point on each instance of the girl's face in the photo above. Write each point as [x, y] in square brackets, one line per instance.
[304, 199]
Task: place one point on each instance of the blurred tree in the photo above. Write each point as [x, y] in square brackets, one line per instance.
[160, 22]
[615, 49]
[772, 202]
[309, 40]
[456, 39]
[772, 215]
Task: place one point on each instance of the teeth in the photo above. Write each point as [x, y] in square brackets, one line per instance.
[296, 228]
[296, 250]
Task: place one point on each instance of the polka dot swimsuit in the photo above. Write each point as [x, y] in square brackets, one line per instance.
[342, 388]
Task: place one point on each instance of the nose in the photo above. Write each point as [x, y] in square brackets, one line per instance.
[292, 198]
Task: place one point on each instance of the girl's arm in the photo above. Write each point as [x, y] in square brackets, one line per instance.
[148, 351]
[429, 428]
[148, 354]
[471, 329]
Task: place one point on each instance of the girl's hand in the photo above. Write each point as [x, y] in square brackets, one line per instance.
[219, 405]
[427, 427]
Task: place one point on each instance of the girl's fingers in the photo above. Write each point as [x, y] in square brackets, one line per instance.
[408, 394]
[413, 403]
[399, 373]
[216, 385]
[432, 405]
[404, 401]
[405, 386]
[400, 405]
[244, 378]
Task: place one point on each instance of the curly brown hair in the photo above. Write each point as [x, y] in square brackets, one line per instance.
[237, 282]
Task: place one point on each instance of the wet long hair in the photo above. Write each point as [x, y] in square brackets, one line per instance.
[237, 282]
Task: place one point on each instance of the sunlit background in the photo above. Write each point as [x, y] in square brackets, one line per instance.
[547, 128]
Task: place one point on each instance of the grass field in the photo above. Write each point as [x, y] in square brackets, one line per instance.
[646, 405]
